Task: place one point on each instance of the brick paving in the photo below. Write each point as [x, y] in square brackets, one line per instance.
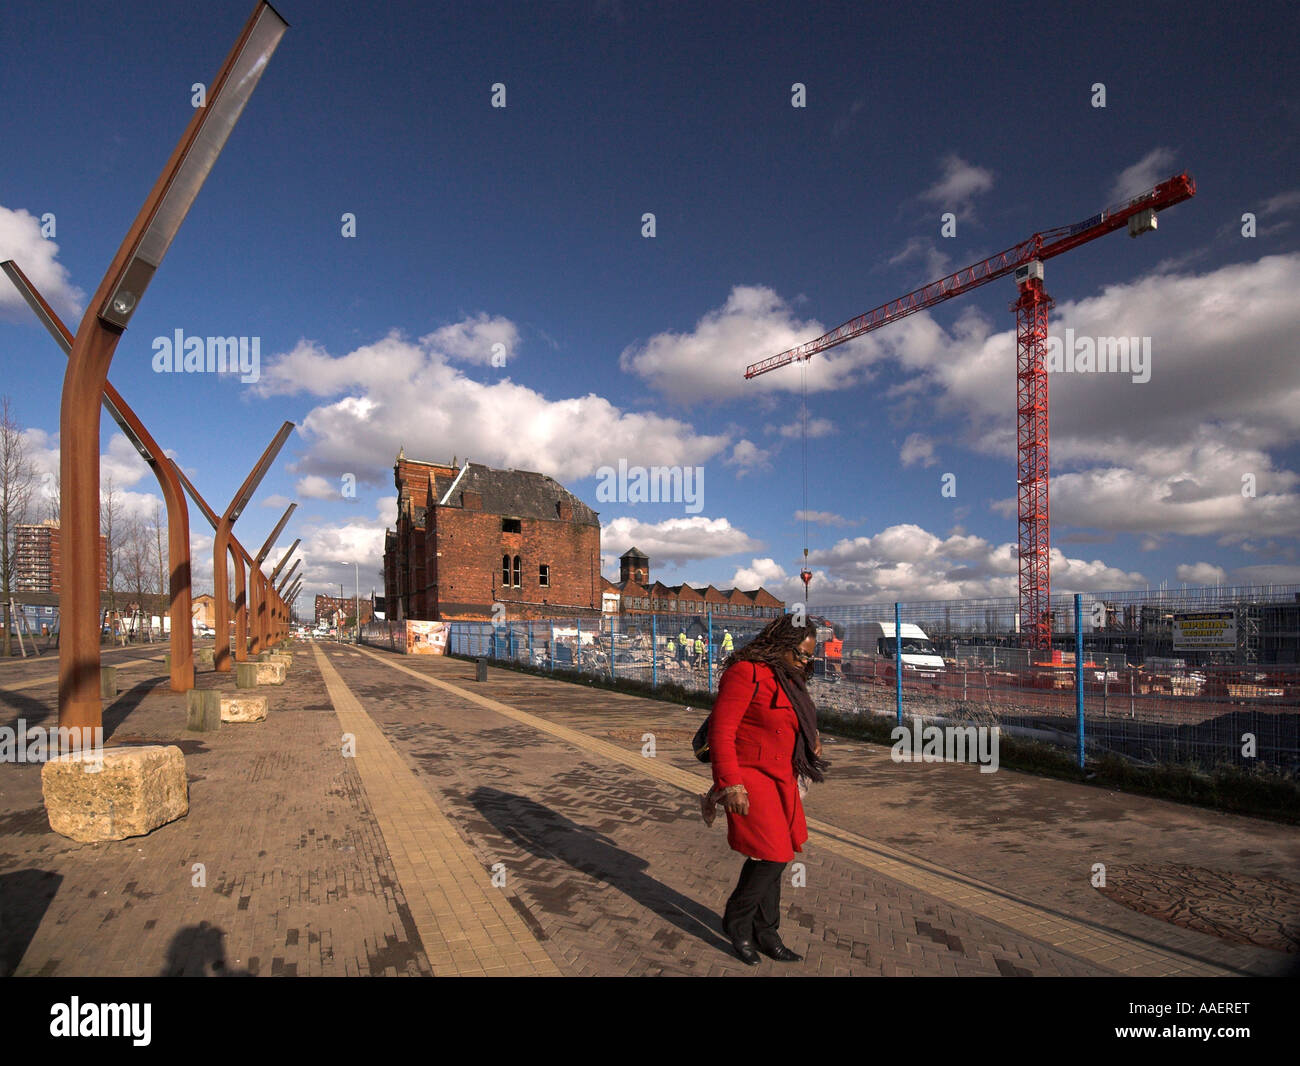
[514, 826]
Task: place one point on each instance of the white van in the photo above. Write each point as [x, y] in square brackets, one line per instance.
[869, 649]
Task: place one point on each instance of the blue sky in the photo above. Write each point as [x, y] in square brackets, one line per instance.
[522, 227]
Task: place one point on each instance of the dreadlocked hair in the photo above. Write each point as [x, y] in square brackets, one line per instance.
[773, 641]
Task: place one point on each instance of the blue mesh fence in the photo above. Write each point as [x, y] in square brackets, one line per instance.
[1152, 687]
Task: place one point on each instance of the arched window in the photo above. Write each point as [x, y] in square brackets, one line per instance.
[505, 569]
[518, 574]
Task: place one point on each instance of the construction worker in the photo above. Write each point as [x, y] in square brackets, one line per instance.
[834, 655]
[670, 650]
[699, 650]
[728, 645]
[683, 646]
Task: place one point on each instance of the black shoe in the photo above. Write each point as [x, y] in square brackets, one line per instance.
[744, 946]
[774, 949]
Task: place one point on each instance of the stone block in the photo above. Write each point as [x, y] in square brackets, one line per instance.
[243, 708]
[207, 657]
[123, 792]
[250, 675]
[108, 682]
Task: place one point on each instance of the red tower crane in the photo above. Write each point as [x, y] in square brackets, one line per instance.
[1032, 438]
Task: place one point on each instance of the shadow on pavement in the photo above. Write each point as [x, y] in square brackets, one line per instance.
[25, 896]
[542, 832]
[199, 951]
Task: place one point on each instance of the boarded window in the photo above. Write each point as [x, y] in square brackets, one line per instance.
[544, 576]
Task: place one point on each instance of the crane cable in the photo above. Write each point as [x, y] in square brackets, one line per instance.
[805, 573]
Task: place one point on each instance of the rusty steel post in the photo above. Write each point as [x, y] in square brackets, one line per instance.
[180, 612]
[221, 658]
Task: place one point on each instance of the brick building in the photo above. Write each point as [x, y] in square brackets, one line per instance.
[327, 607]
[38, 559]
[637, 594]
[469, 536]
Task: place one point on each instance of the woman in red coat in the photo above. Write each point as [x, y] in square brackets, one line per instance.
[762, 738]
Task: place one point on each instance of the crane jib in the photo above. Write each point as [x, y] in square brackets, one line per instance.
[1040, 246]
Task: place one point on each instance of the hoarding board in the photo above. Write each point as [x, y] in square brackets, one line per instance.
[1205, 631]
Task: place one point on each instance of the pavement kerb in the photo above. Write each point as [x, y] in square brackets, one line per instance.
[1108, 950]
[467, 926]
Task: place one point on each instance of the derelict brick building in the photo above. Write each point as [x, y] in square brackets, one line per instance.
[469, 536]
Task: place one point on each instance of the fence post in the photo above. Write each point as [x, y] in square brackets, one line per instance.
[898, 664]
[550, 650]
[530, 642]
[577, 651]
[612, 647]
[1078, 668]
[708, 646]
[654, 651]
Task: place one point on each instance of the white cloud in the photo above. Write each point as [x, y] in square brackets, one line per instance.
[918, 448]
[748, 457]
[400, 394]
[822, 518]
[1155, 166]
[906, 562]
[961, 182]
[277, 501]
[1165, 456]
[315, 487]
[1202, 574]
[473, 340]
[676, 540]
[708, 364]
[817, 427]
[37, 257]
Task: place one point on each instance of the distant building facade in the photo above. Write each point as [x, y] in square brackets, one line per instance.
[327, 608]
[38, 559]
[469, 536]
[634, 593]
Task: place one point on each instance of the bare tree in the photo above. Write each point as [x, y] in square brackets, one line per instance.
[17, 480]
[136, 566]
[53, 496]
[111, 521]
[161, 561]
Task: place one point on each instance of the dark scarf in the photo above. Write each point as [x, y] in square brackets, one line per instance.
[805, 762]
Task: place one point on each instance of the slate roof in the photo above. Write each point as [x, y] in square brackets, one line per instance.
[514, 493]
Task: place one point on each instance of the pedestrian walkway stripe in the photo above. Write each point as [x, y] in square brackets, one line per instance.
[468, 927]
[1103, 948]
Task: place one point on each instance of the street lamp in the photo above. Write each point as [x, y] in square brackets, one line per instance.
[107, 315]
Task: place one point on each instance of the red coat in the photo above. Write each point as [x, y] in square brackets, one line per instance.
[751, 742]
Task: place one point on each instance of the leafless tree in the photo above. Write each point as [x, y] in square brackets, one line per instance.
[111, 523]
[161, 561]
[17, 481]
[137, 566]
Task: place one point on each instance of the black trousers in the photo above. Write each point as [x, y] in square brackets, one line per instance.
[754, 909]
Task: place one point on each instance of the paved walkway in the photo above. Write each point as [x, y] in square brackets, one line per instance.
[394, 816]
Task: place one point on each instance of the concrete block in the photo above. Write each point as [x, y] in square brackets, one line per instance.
[125, 792]
[250, 675]
[108, 682]
[203, 710]
[207, 657]
[243, 708]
